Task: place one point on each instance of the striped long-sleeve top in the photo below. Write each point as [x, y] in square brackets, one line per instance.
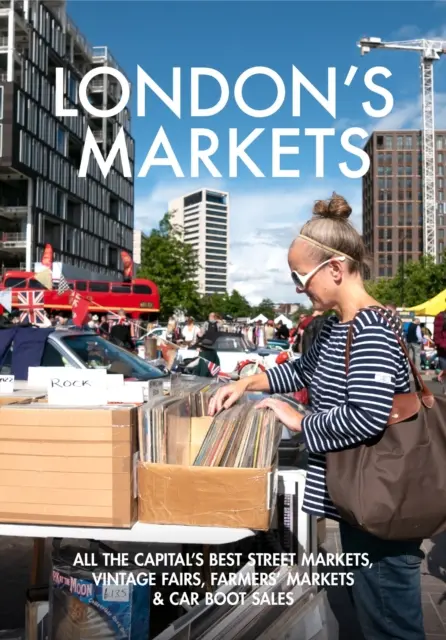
[348, 409]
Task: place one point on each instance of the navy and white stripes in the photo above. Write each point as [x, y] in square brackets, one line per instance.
[348, 409]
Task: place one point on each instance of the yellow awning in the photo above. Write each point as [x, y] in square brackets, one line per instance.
[432, 307]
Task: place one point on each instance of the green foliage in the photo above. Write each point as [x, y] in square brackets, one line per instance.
[171, 264]
[414, 283]
[266, 307]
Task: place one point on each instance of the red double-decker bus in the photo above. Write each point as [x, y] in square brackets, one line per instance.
[138, 298]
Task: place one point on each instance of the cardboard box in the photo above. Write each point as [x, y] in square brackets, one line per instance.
[19, 398]
[206, 496]
[68, 466]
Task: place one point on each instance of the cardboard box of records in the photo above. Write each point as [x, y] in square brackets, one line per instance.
[201, 471]
[72, 466]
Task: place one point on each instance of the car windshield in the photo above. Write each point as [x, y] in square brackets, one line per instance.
[233, 342]
[97, 353]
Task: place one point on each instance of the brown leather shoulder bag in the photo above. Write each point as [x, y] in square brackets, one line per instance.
[394, 485]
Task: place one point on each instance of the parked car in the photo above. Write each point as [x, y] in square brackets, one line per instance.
[233, 348]
[87, 350]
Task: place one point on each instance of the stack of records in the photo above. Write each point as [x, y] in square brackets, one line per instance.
[264, 612]
[242, 436]
[164, 428]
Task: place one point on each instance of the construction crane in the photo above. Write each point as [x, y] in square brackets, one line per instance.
[430, 50]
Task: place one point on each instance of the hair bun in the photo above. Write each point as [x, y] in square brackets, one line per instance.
[335, 207]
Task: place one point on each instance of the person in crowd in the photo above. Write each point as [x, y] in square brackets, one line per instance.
[282, 331]
[104, 327]
[259, 335]
[121, 332]
[312, 330]
[93, 323]
[269, 331]
[190, 332]
[172, 330]
[326, 260]
[415, 341]
[428, 352]
[211, 327]
[440, 339]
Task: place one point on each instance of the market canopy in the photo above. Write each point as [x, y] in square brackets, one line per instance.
[432, 307]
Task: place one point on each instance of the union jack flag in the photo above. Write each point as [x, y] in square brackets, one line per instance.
[214, 369]
[30, 303]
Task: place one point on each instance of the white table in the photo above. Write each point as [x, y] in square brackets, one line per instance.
[140, 532]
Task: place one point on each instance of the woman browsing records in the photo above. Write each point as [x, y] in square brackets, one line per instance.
[326, 260]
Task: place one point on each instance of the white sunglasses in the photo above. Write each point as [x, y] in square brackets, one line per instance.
[302, 281]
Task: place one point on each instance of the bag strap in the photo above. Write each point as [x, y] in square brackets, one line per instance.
[426, 393]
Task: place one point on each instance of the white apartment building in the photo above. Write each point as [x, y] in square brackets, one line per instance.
[204, 218]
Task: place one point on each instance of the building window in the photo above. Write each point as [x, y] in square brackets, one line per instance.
[389, 142]
[72, 87]
[60, 140]
[399, 142]
[409, 141]
[439, 157]
[439, 142]
[440, 195]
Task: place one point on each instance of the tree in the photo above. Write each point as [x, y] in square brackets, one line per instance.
[266, 307]
[225, 304]
[414, 283]
[237, 305]
[172, 265]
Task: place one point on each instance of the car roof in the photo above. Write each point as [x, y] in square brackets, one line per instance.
[58, 334]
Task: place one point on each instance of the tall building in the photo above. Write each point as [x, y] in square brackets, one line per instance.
[392, 196]
[42, 198]
[204, 218]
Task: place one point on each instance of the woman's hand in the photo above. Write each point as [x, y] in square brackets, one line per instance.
[226, 396]
[284, 412]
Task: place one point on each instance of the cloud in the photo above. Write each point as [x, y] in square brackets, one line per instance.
[263, 222]
[407, 115]
[413, 32]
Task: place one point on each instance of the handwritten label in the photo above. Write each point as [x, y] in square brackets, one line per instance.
[116, 593]
[78, 387]
[6, 384]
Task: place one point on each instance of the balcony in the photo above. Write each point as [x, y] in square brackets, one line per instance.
[79, 39]
[12, 240]
[98, 135]
[113, 89]
[4, 44]
[12, 213]
[103, 57]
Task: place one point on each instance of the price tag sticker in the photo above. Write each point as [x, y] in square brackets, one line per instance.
[6, 384]
[155, 388]
[116, 593]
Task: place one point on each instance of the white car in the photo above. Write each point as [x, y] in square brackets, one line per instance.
[233, 348]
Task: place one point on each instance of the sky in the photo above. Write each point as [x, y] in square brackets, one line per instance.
[232, 36]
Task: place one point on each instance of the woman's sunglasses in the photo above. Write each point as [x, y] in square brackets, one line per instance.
[301, 282]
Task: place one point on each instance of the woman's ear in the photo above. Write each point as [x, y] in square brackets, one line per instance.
[337, 270]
